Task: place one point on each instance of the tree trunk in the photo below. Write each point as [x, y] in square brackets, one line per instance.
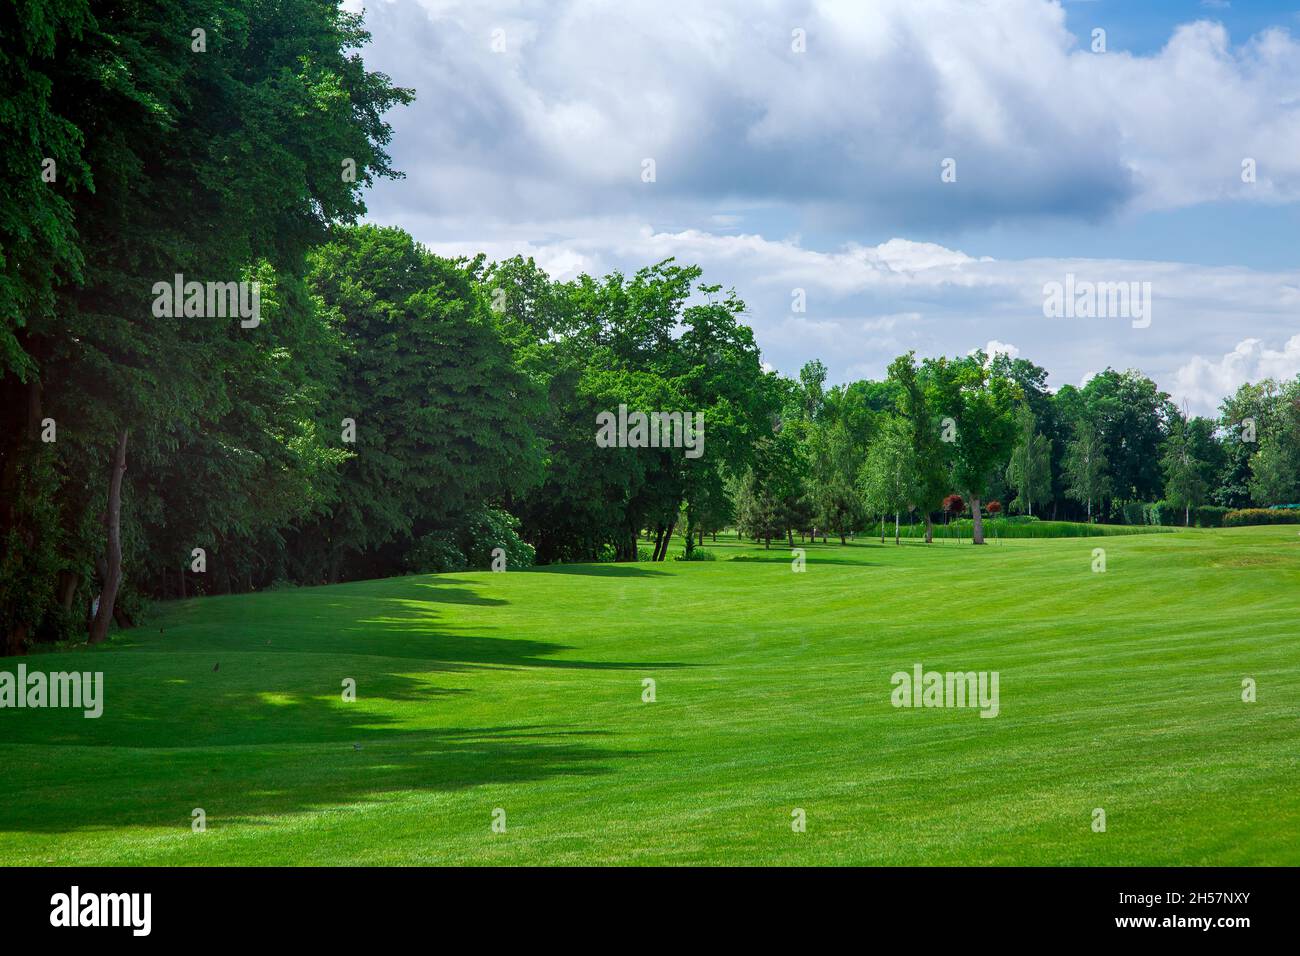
[977, 522]
[789, 533]
[68, 581]
[1187, 515]
[767, 543]
[182, 582]
[929, 529]
[113, 566]
[896, 540]
[668, 539]
[16, 642]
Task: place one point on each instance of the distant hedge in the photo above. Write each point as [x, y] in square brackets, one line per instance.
[1248, 516]
[1203, 516]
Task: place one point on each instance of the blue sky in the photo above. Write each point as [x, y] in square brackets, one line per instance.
[799, 145]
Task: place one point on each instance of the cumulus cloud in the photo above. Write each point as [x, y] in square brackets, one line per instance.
[865, 304]
[994, 348]
[551, 110]
[1205, 382]
[532, 123]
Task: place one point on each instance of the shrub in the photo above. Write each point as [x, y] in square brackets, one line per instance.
[493, 528]
[1253, 516]
[1158, 512]
[1130, 512]
[1209, 516]
[645, 554]
[1018, 528]
[954, 504]
[699, 554]
[994, 507]
[434, 553]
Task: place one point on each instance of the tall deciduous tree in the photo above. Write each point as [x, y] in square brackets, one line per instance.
[981, 402]
[1030, 469]
[889, 476]
[1086, 467]
[916, 405]
[1183, 483]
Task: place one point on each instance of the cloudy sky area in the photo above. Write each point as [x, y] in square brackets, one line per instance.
[820, 170]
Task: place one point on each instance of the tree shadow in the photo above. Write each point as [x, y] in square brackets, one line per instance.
[400, 620]
[117, 788]
[235, 705]
[812, 559]
[628, 570]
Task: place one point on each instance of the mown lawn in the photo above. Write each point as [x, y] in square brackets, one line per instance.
[523, 691]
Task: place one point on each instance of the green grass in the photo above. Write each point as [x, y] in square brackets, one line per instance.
[523, 691]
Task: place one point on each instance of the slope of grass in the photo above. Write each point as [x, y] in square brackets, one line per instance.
[523, 691]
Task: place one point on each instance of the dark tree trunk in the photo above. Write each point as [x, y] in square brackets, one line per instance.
[16, 640]
[68, 581]
[977, 522]
[113, 559]
[668, 539]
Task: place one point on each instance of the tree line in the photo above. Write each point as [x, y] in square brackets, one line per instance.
[392, 411]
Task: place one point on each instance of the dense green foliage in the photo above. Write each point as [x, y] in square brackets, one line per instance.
[383, 410]
[1253, 516]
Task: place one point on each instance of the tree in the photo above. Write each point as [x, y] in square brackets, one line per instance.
[1030, 468]
[889, 475]
[834, 462]
[217, 167]
[1085, 466]
[981, 402]
[915, 403]
[1183, 483]
[1275, 467]
[1131, 415]
[438, 413]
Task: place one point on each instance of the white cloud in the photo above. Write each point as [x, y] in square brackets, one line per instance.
[866, 304]
[538, 150]
[851, 131]
[994, 348]
[1204, 383]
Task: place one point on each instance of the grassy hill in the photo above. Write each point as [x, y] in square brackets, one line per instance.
[523, 691]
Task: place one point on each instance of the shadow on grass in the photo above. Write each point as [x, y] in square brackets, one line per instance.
[395, 618]
[234, 705]
[628, 570]
[112, 788]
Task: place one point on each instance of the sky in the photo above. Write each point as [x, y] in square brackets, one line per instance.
[913, 172]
